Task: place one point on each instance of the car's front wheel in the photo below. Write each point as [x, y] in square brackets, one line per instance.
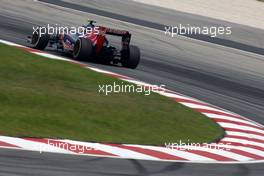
[39, 41]
[83, 49]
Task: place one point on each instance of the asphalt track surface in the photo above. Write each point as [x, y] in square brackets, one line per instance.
[25, 163]
[229, 78]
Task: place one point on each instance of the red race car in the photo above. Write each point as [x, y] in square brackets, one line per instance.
[91, 44]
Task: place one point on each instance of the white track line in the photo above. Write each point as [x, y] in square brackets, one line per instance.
[240, 127]
[32, 145]
[113, 150]
[248, 135]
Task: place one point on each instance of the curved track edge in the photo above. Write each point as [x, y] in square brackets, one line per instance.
[243, 141]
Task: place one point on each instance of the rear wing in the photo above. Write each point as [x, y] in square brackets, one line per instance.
[126, 36]
[117, 32]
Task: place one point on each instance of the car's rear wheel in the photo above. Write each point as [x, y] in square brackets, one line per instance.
[131, 58]
[83, 49]
[39, 41]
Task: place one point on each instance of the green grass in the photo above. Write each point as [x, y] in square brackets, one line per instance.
[48, 98]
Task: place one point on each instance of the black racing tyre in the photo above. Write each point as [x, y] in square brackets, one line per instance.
[131, 58]
[39, 42]
[83, 49]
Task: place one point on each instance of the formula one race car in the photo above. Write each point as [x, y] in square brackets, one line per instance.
[91, 44]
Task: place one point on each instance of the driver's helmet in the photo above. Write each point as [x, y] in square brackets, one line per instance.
[91, 23]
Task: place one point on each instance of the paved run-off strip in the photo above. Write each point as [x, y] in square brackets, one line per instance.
[243, 141]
